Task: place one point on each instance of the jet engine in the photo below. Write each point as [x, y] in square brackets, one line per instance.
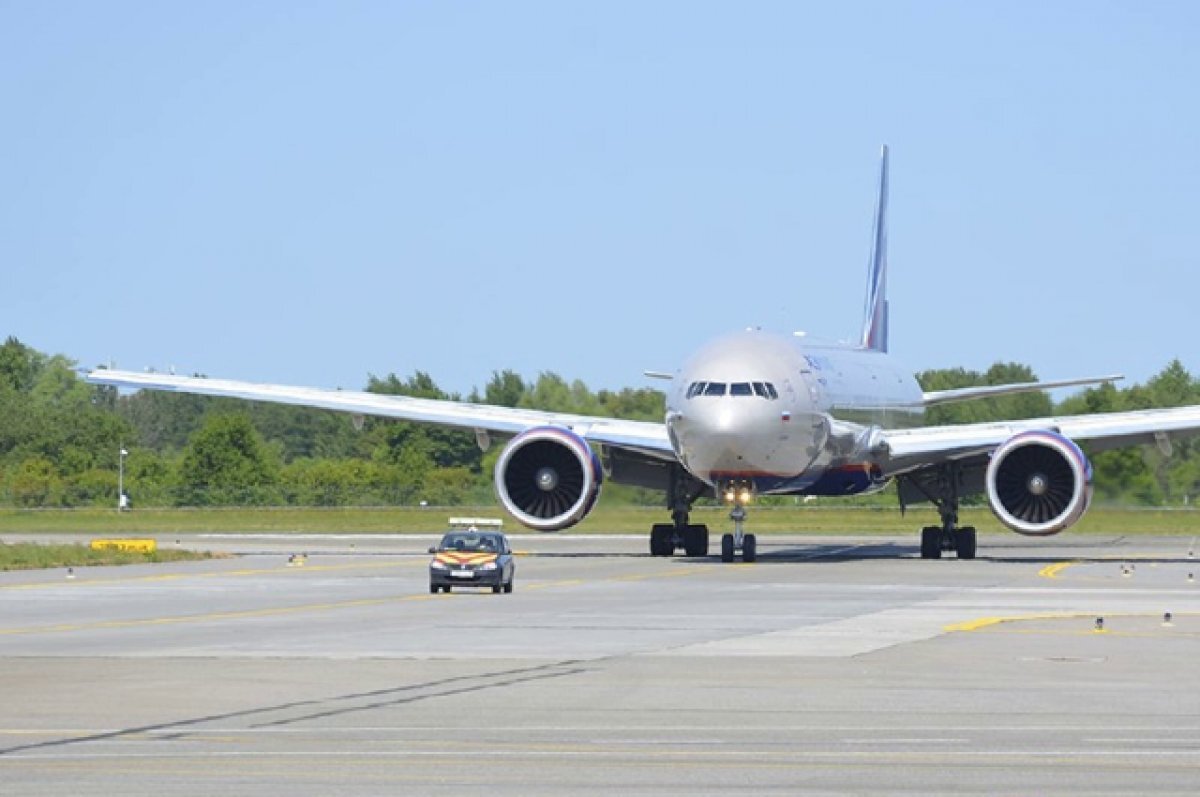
[548, 478]
[1039, 483]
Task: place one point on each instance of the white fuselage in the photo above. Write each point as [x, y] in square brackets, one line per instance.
[757, 409]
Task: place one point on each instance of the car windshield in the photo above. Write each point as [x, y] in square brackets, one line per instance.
[471, 541]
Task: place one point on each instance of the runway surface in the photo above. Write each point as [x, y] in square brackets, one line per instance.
[833, 665]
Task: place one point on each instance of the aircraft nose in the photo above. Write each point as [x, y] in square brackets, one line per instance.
[719, 437]
[717, 419]
[727, 434]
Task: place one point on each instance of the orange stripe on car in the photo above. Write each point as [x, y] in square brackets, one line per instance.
[456, 558]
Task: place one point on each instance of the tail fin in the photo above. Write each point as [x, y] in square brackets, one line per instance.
[875, 314]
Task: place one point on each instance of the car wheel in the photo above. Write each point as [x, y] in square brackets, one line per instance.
[508, 588]
[496, 588]
[434, 588]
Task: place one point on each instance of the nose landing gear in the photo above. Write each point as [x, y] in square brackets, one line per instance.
[738, 540]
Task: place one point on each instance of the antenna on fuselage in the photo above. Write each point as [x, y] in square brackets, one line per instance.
[875, 313]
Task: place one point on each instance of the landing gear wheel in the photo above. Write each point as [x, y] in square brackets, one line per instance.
[660, 539]
[726, 547]
[964, 541]
[434, 588]
[749, 548]
[496, 589]
[446, 589]
[695, 540]
[931, 542]
[508, 588]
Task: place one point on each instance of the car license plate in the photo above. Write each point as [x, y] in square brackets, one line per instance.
[462, 573]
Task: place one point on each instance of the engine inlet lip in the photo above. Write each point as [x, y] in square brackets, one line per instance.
[1002, 489]
[551, 493]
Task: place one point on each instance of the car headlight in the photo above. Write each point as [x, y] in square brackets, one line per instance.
[436, 565]
[488, 566]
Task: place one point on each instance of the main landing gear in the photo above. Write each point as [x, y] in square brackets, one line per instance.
[949, 536]
[666, 538]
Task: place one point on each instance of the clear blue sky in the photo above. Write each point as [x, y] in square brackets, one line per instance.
[311, 192]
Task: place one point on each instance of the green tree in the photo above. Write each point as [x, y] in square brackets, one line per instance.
[552, 393]
[1014, 407]
[505, 389]
[164, 421]
[641, 404]
[227, 462]
[447, 486]
[340, 482]
[445, 447]
[36, 482]
[19, 365]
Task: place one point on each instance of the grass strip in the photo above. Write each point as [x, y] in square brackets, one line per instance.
[604, 520]
[32, 556]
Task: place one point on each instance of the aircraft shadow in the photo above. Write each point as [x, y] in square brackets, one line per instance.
[791, 553]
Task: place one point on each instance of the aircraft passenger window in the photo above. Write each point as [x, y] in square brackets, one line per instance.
[740, 389]
[714, 389]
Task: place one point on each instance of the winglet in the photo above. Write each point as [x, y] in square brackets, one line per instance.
[875, 313]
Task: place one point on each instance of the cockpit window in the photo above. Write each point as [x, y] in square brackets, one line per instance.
[761, 389]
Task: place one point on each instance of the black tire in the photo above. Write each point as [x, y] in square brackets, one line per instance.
[496, 588]
[446, 589]
[508, 588]
[660, 539]
[695, 540]
[965, 542]
[749, 548]
[726, 547]
[434, 588]
[931, 542]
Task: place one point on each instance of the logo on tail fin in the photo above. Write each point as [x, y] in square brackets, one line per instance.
[875, 314]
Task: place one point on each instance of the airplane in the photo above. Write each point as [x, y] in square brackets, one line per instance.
[756, 413]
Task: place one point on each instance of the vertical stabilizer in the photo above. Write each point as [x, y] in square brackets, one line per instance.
[875, 314]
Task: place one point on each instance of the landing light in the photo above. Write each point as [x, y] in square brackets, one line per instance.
[740, 496]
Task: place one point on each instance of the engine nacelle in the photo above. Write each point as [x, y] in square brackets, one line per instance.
[548, 478]
[1039, 483]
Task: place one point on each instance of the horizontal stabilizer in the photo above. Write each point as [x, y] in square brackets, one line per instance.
[992, 391]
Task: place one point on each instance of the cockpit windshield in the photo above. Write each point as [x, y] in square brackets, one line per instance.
[764, 390]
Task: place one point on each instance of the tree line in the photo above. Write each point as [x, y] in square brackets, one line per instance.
[61, 439]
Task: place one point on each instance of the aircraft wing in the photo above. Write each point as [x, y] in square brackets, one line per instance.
[910, 449]
[933, 397]
[642, 436]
